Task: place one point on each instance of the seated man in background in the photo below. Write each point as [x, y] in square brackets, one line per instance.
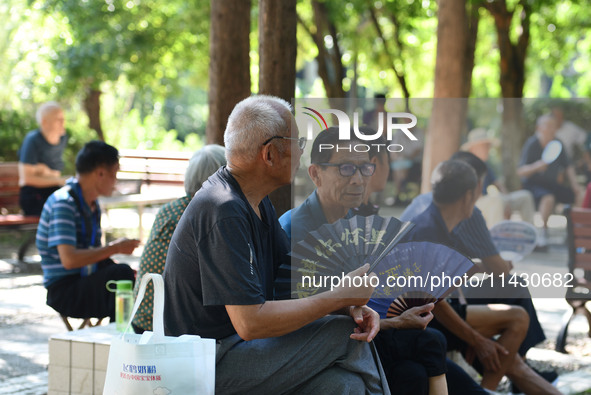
[202, 164]
[473, 235]
[546, 181]
[413, 358]
[75, 266]
[470, 328]
[500, 205]
[222, 262]
[40, 159]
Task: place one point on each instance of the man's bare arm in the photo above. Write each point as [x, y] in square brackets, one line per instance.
[532, 168]
[39, 176]
[73, 258]
[277, 318]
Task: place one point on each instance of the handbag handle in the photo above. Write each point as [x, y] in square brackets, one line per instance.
[158, 312]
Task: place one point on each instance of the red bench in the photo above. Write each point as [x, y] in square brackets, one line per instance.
[10, 217]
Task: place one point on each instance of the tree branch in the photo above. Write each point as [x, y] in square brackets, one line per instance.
[399, 75]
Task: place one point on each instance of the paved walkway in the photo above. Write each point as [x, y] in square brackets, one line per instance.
[26, 323]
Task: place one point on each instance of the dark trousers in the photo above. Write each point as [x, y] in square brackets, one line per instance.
[88, 297]
[460, 383]
[32, 199]
[410, 356]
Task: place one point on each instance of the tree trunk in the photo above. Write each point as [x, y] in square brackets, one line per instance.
[448, 115]
[512, 80]
[330, 66]
[472, 20]
[399, 75]
[229, 67]
[92, 106]
[277, 65]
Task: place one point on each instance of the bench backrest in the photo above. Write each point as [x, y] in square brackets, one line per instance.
[9, 189]
[579, 240]
[153, 167]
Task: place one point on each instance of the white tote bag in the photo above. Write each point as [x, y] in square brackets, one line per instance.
[152, 363]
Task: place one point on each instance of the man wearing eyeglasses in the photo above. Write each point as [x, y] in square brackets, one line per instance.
[340, 176]
[413, 358]
[222, 261]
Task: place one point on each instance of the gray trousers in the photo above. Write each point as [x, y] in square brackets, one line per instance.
[319, 358]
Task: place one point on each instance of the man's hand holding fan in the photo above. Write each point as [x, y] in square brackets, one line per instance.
[407, 274]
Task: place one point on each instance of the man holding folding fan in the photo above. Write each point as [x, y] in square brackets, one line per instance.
[413, 358]
[222, 261]
[470, 328]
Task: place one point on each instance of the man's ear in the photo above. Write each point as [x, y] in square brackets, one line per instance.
[269, 154]
[314, 173]
[469, 198]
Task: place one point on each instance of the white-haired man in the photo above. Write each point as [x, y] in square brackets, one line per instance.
[220, 269]
[40, 159]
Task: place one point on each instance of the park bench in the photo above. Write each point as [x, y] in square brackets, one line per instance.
[579, 265]
[10, 217]
[147, 178]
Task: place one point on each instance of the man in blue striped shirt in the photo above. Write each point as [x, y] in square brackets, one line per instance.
[75, 265]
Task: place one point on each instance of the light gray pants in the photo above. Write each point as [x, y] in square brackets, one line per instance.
[316, 359]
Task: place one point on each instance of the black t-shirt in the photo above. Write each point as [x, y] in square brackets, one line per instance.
[220, 254]
[532, 152]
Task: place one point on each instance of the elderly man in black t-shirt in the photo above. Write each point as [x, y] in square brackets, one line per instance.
[222, 261]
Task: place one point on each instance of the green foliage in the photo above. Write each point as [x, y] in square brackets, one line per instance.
[148, 41]
[13, 128]
[559, 49]
[149, 133]
[150, 59]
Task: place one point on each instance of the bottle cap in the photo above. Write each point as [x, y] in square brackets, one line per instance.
[121, 285]
[124, 285]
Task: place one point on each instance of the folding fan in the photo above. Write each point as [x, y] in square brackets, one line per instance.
[552, 151]
[514, 239]
[341, 247]
[416, 273]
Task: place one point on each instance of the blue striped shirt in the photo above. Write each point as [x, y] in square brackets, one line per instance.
[61, 223]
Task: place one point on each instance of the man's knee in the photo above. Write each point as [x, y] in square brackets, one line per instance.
[515, 318]
[434, 339]
[338, 325]
[519, 316]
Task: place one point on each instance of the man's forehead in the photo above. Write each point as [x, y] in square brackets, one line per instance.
[344, 155]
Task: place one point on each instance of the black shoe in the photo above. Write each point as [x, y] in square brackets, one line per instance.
[550, 376]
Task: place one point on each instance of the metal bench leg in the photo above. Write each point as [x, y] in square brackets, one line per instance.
[587, 314]
[561, 338]
[22, 250]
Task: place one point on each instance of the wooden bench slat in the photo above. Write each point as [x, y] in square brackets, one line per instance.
[582, 232]
[583, 243]
[17, 219]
